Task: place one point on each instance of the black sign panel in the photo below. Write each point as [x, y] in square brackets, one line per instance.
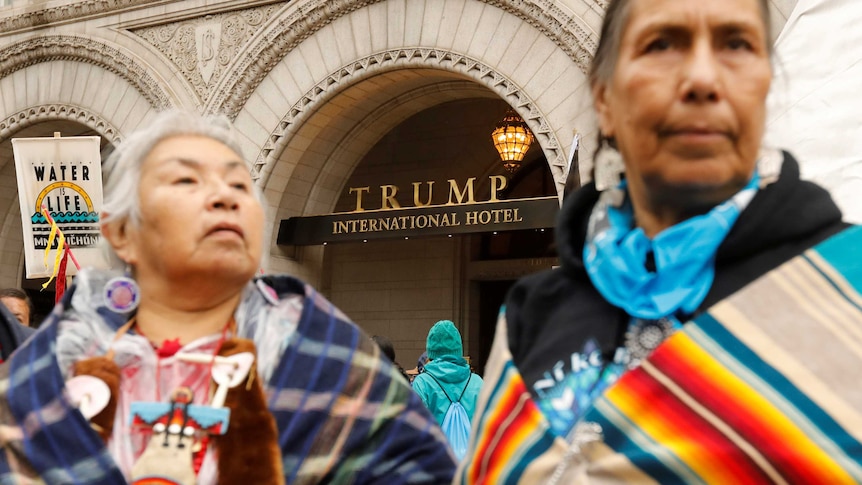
[508, 215]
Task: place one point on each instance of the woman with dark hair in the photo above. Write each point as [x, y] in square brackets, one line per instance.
[389, 351]
[704, 323]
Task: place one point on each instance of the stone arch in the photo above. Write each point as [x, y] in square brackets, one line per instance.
[289, 188]
[83, 49]
[289, 119]
[313, 38]
[399, 59]
[66, 112]
[574, 35]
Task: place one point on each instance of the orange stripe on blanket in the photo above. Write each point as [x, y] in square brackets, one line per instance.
[504, 430]
[776, 436]
[673, 425]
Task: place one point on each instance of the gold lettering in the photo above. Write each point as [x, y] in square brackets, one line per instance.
[372, 225]
[416, 201]
[484, 217]
[363, 225]
[422, 221]
[507, 215]
[388, 197]
[471, 217]
[516, 217]
[353, 225]
[498, 183]
[459, 194]
[359, 191]
[497, 213]
[384, 224]
[339, 227]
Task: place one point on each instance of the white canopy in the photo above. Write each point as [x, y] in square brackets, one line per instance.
[815, 108]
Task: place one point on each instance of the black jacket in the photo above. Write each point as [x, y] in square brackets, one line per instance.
[552, 314]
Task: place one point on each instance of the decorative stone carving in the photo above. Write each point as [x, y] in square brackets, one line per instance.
[81, 49]
[207, 42]
[567, 32]
[416, 58]
[203, 47]
[46, 16]
[47, 112]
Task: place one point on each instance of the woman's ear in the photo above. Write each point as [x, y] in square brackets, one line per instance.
[603, 111]
[117, 234]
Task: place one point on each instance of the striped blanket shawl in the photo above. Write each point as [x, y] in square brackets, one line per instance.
[344, 414]
[763, 388]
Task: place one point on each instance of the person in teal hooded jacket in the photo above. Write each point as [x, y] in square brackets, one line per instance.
[446, 364]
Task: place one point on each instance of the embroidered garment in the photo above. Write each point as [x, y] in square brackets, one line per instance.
[343, 412]
[614, 256]
[564, 333]
[759, 389]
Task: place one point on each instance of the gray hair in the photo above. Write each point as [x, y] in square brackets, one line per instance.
[613, 26]
[121, 172]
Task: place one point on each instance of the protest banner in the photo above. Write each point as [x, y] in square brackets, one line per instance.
[63, 176]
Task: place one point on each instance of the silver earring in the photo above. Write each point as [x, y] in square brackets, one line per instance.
[122, 293]
[769, 162]
[609, 166]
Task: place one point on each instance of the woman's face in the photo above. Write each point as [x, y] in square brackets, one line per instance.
[686, 101]
[199, 215]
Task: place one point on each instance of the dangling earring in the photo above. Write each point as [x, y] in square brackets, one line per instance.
[769, 162]
[609, 165]
[122, 293]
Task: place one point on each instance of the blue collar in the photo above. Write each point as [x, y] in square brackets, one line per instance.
[615, 253]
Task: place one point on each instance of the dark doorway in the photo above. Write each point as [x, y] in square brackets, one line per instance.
[491, 296]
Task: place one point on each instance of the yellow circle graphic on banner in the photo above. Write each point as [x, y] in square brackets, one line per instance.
[63, 198]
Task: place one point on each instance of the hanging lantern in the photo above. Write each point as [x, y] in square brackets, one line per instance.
[512, 139]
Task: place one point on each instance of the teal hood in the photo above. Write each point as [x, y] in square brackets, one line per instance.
[444, 339]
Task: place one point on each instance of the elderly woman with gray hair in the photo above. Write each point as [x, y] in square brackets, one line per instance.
[705, 323]
[186, 368]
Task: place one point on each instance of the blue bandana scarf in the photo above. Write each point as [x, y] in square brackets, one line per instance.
[615, 254]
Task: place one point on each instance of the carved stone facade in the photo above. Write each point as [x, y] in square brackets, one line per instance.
[81, 49]
[202, 48]
[17, 121]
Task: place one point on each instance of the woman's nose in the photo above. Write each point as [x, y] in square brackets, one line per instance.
[701, 83]
[223, 196]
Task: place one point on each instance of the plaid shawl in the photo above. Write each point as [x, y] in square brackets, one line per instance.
[343, 412]
[762, 388]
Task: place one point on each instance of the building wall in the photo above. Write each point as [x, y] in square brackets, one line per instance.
[398, 289]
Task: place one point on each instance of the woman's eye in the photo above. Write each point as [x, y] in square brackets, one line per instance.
[240, 186]
[658, 45]
[739, 44]
[184, 180]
